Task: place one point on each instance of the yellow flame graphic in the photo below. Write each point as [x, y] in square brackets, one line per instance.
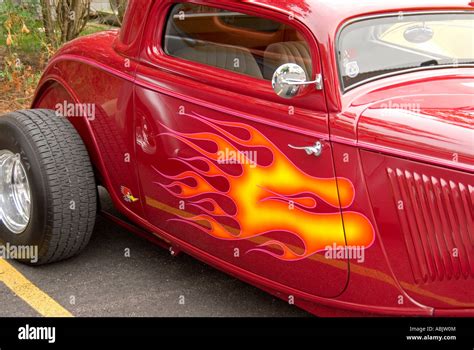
[261, 194]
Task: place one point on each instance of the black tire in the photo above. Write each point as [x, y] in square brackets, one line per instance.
[61, 178]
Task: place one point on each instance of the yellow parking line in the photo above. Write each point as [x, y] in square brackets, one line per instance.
[32, 295]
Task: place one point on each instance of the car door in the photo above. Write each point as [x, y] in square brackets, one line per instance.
[224, 162]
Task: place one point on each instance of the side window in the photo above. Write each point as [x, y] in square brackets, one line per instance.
[234, 41]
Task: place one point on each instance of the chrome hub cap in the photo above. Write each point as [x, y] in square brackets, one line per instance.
[15, 194]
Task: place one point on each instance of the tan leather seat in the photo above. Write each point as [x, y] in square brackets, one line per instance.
[287, 52]
[222, 56]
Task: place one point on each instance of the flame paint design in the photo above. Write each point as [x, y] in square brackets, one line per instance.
[261, 195]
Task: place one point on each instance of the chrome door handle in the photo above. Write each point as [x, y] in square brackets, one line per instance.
[315, 150]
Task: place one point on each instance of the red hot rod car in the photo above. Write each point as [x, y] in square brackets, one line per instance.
[320, 150]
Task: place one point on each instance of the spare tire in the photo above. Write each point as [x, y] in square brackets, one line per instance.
[48, 193]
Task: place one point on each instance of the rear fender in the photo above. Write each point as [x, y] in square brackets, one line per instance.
[54, 92]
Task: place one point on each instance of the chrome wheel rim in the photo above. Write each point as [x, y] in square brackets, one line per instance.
[15, 194]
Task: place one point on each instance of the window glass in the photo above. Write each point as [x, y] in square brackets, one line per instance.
[374, 47]
[234, 41]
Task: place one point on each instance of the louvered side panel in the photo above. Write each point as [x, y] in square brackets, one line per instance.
[436, 221]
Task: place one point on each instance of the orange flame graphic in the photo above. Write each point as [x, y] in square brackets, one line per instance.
[261, 195]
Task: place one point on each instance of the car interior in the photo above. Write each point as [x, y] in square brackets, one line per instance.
[385, 45]
[233, 41]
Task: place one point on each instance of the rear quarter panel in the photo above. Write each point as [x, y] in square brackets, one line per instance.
[78, 75]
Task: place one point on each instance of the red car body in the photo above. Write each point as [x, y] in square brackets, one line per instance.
[401, 186]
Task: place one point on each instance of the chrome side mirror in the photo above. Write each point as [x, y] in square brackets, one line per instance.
[290, 79]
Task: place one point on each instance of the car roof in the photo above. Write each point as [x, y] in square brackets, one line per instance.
[349, 8]
[333, 12]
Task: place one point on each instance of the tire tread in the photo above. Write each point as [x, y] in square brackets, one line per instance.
[65, 162]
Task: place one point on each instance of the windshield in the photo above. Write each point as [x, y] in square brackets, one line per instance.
[370, 48]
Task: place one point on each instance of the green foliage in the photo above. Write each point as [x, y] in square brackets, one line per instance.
[22, 25]
[25, 50]
[21, 46]
[92, 28]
